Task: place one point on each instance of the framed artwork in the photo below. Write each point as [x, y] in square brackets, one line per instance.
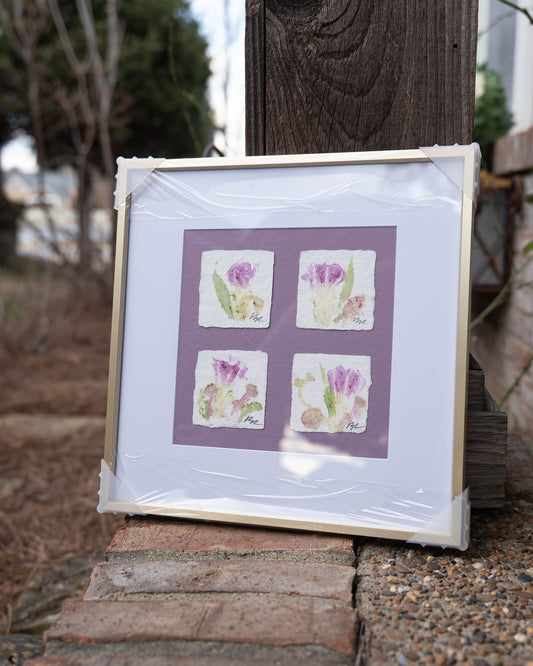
[290, 342]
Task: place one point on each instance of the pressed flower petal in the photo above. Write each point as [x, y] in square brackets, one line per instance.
[324, 274]
[258, 303]
[355, 382]
[312, 418]
[309, 275]
[335, 274]
[353, 306]
[337, 379]
[345, 381]
[321, 272]
[226, 372]
[359, 405]
[240, 274]
[252, 390]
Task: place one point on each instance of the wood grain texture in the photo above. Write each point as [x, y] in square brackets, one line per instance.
[486, 448]
[476, 386]
[486, 443]
[341, 75]
[255, 77]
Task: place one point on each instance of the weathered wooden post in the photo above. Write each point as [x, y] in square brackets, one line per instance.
[340, 75]
[345, 75]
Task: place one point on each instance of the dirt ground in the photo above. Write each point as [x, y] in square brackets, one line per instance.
[54, 346]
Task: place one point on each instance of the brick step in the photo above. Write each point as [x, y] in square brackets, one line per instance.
[199, 593]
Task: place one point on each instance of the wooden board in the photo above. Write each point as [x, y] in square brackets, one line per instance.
[486, 447]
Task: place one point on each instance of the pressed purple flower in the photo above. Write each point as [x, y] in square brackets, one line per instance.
[240, 274]
[226, 372]
[345, 381]
[335, 274]
[329, 275]
[354, 382]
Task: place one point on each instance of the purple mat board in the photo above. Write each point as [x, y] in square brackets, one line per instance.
[283, 339]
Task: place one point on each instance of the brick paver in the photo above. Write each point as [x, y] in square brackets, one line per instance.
[271, 622]
[116, 579]
[174, 660]
[187, 539]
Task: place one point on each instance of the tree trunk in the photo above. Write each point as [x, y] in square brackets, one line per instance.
[84, 218]
[9, 213]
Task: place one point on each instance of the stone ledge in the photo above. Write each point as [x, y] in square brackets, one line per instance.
[202, 593]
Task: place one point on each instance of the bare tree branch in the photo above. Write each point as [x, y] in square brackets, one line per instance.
[68, 50]
[516, 382]
[86, 105]
[23, 33]
[503, 294]
[518, 9]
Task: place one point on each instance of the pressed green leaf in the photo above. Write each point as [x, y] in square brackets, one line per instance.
[324, 376]
[329, 401]
[347, 285]
[249, 408]
[223, 295]
[528, 248]
[203, 406]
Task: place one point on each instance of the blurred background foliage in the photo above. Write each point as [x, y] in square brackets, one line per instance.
[91, 80]
[159, 104]
[492, 118]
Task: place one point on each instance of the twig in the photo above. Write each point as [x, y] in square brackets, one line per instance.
[502, 296]
[518, 9]
[516, 381]
[11, 528]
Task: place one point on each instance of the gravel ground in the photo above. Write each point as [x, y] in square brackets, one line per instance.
[434, 606]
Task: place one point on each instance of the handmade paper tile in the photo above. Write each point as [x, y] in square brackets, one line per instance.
[230, 389]
[336, 290]
[330, 393]
[236, 288]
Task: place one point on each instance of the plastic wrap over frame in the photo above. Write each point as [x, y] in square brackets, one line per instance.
[353, 419]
